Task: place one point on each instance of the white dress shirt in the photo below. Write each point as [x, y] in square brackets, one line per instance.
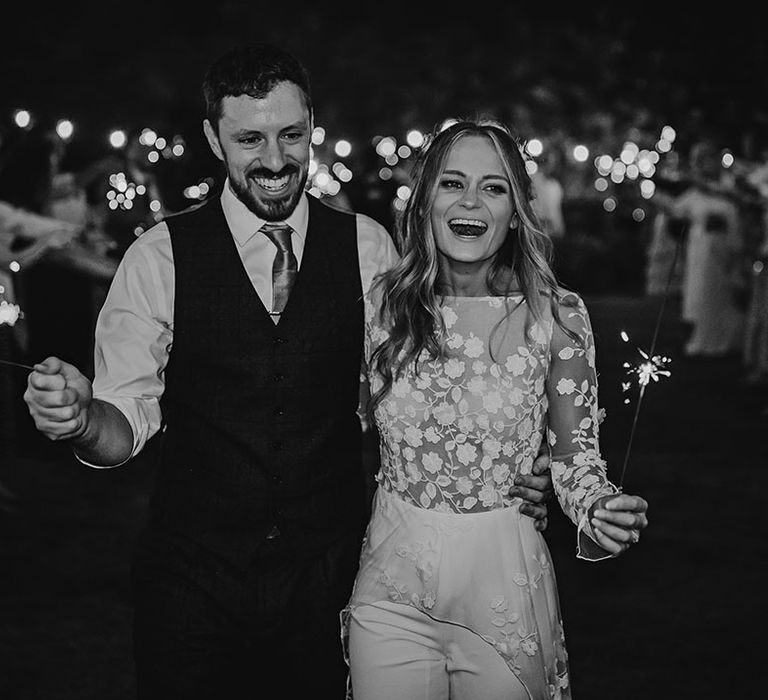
[134, 330]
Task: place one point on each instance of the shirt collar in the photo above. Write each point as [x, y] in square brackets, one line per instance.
[244, 224]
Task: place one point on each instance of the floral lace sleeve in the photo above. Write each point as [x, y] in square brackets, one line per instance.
[578, 470]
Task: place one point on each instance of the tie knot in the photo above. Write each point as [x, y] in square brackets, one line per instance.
[279, 234]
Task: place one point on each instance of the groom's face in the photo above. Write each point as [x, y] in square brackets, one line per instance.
[265, 146]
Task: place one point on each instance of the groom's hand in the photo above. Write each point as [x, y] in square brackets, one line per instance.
[535, 489]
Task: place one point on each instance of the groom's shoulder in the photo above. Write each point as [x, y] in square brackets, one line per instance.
[190, 211]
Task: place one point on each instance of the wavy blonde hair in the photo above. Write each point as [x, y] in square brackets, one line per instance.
[411, 300]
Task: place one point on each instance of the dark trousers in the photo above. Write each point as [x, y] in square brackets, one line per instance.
[206, 630]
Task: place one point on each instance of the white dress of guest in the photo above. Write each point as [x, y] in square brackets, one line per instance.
[756, 325]
[712, 254]
[663, 252]
[548, 203]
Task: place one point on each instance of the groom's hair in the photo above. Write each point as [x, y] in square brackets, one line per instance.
[252, 70]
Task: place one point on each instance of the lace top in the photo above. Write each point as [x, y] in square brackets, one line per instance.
[455, 434]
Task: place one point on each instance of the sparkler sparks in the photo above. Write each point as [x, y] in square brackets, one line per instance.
[9, 313]
[652, 368]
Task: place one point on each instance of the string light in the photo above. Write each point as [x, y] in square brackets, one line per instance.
[123, 192]
[633, 163]
[580, 153]
[414, 138]
[343, 148]
[65, 128]
[534, 147]
[117, 138]
[22, 118]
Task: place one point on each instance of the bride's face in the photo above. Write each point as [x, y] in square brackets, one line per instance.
[473, 207]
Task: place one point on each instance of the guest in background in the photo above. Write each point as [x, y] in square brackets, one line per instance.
[56, 292]
[756, 326]
[26, 238]
[549, 193]
[665, 257]
[712, 258]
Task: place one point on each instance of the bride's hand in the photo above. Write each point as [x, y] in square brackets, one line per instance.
[618, 520]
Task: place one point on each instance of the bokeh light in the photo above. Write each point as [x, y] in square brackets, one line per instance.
[534, 147]
[580, 153]
[414, 138]
[22, 118]
[118, 138]
[343, 148]
[318, 135]
[65, 128]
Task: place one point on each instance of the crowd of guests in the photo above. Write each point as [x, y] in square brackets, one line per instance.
[709, 249]
[60, 244]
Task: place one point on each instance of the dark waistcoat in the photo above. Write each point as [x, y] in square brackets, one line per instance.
[260, 422]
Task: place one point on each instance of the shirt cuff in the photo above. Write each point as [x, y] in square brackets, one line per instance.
[98, 466]
[143, 416]
[140, 420]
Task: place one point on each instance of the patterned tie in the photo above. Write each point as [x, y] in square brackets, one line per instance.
[284, 268]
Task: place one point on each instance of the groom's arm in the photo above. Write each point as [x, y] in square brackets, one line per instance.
[535, 489]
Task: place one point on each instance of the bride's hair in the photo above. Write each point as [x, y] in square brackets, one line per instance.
[409, 291]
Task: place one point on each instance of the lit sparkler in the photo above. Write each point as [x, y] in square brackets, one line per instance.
[652, 367]
[16, 364]
[9, 314]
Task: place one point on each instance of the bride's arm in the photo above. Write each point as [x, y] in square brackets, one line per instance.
[579, 475]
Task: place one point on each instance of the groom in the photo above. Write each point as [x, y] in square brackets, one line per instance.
[236, 328]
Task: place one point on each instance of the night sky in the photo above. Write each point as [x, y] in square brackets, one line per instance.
[388, 68]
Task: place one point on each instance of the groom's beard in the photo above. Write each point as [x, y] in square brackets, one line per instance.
[265, 206]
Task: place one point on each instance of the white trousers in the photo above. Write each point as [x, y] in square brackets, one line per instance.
[396, 652]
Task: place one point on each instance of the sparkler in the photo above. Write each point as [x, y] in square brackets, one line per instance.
[16, 364]
[652, 367]
[9, 314]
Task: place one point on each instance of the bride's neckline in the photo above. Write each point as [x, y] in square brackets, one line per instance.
[483, 297]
